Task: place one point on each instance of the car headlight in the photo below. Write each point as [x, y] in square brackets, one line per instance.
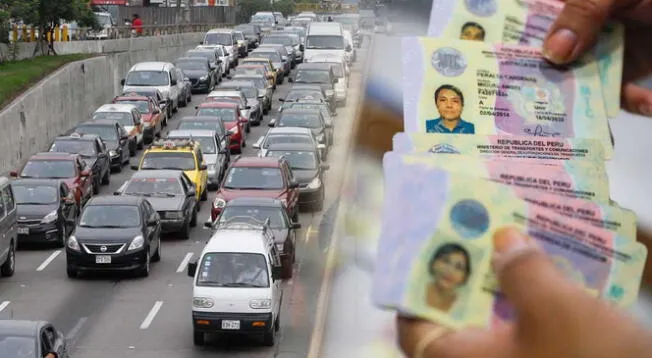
[174, 214]
[72, 243]
[113, 153]
[203, 78]
[51, 217]
[315, 184]
[219, 203]
[136, 243]
[260, 304]
[202, 302]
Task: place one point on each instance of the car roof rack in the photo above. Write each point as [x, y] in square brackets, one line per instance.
[243, 223]
[170, 143]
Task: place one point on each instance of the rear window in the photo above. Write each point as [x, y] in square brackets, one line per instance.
[169, 160]
[59, 169]
[83, 147]
[225, 114]
[313, 76]
[287, 138]
[300, 120]
[161, 186]
[218, 39]
[125, 119]
[233, 270]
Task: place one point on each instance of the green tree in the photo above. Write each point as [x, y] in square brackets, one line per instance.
[46, 15]
[4, 21]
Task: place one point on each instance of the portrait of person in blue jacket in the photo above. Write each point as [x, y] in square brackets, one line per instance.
[450, 103]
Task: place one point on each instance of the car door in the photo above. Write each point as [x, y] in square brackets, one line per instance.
[175, 83]
[151, 232]
[277, 290]
[221, 155]
[191, 200]
[124, 144]
[135, 117]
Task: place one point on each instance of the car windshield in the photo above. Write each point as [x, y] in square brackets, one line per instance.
[259, 63]
[188, 65]
[249, 92]
[49, 169]
[154, 186]
[274, 56]
[261, 213]
[321, 107]
[227, 269]
[141, 92]
[307, 95]
[325, 42]
[299, 160]
[169, 160]
[283, 138]
[262, 19]
[141, 105]
[300, 120]
[254, 178]
[125, 119]
[225, 114]
[84, 147]
[110, 216]
[257, 82]
[210, 55]
[280, 40]
[207, 143]
[104, 132]
[35, 194]
[16, 346]
[147, 78]
[217, 38]
[249, 71]
[312, 76]
[199, 124]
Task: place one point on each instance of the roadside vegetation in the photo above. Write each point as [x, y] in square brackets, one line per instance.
[17, 76]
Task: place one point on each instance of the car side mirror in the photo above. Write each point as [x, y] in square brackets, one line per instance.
[196, 107]
[290, 80]
[152, 222]
[203, 167]
[134, 167]
[276, 272]
[247, 107]
[13, 174]
[192, 268]
[191, 193]
[173, 82]
[295, 225]
[325, 166]
[122, 81]
[293, 185]
[124, 137]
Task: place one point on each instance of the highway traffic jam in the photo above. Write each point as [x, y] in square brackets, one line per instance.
[213, 166]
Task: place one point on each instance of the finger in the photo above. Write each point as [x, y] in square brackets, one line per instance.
[467, 343]
[530, 280]
[576, 29]
[637, 99]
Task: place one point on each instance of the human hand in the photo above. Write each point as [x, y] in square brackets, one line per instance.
[577, 28]
[555, 317]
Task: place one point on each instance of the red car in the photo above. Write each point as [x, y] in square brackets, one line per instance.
[258, 177]
[229, 113]
[151, 114]
[70, 168]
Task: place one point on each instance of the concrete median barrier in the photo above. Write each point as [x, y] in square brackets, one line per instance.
[69, 95]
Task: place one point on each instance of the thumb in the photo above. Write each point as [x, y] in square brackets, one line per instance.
[531, 282]
[576, 29]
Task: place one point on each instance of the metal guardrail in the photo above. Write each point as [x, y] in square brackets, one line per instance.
[63, 34]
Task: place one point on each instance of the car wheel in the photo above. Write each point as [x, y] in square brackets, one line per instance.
[9, 266]
[185, 231]
[145, 268]
[96, 186]
[157, 254]
[72, 273]
[287, 268]
[277, 323]
[265, 110]
[198, 338]
[189, 96]
[118, 169]
[193, 220]
[295, 216]
[269, 338]
[106, 179]
[184, 102]
[248, 128]
[204, 195]
[132, 148]
[141, 144]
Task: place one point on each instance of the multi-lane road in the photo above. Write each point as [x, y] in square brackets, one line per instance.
[114, 315]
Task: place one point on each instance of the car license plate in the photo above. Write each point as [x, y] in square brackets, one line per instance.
[230, 324]
[102, 259]
[23, 230]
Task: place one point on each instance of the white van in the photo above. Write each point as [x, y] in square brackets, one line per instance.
[226, 38]
[162, 76]
[237, 282]
[324, 38]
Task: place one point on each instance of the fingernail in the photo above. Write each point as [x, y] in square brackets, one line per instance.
[559, 47]
[509, 240]
[645, 109]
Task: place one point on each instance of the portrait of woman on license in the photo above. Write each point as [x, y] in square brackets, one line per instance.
[449, 268]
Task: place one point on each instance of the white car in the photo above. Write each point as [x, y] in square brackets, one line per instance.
[127, 115]
[237, 283]
[341, 71]
[225, 37]
[287, 135]
[162, 76]
[223, 55]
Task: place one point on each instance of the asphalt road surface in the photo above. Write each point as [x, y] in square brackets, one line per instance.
[116, 315]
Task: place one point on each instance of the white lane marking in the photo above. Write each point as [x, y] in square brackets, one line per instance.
[184, 262]
[75, 330]
[4, 305]
[48, 260]
[150, 316]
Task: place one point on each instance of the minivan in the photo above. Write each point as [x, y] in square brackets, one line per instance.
[226, 38]
[237, 282]
[8, 226]
[162, 76]
[325, 38]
